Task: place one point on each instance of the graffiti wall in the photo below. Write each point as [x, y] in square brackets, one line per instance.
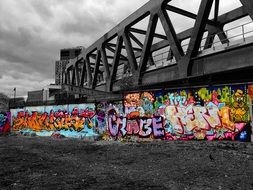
[204, 113]
[5, 119]
[68, 120]
[138, 118]
[210, 113]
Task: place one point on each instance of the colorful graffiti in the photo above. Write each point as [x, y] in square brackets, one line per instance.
[139, 105]
[70, 120]
[5, 119]
[250, 91]
[205, 113]
[142, 127]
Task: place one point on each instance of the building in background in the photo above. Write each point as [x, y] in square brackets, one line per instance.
[66, 56]
[70, 53]
[52, 93]
[35, 96]
[4, 103]
[47, 94]
[60, 67]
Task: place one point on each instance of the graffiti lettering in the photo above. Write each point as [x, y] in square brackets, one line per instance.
[59, 120]
[143, 127]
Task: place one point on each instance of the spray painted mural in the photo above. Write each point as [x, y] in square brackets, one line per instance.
[138, 118]
[205, 113]
[68, 120]
[5, 125]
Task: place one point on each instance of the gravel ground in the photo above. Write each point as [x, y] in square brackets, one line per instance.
[49, 163]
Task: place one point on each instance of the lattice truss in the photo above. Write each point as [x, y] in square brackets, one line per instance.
[148, 40]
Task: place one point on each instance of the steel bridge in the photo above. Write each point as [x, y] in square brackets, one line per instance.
[130, 58]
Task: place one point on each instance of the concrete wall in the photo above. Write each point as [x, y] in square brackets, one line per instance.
[202, 113]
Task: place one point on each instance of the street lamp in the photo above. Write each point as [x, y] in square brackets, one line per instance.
[14, 91]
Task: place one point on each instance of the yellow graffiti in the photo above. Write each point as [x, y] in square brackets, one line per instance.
[204, 94]
[226, 119]
[225, 95]
[239, 106]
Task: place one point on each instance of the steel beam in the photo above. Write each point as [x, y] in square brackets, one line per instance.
[233, 15]
[77, 72]
[105, 62]
[97, 64]
[188, 14]
[171, 35]
[84, 74]
[122, 57]
[209, 40]
[196, 37]
[199, 27]
[136, 40]
[115, 62]
[223, 20]
[123, 47]
[77, 75]
[248, 4]
[216, 10]
[130, 53]
[88, 69]
[147, 44]
[139, 31]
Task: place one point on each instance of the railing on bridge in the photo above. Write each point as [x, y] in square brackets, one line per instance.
[236, 36]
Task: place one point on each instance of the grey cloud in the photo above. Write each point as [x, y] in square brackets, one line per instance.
[43, 9]
[86, 25]
[29, 50]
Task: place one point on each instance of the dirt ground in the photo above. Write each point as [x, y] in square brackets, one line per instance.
[49, 163]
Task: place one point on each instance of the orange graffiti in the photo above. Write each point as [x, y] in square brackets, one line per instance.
[132, 100]
[133, 115]
[54, 121]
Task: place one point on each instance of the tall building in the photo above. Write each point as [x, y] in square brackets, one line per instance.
[60, 67]
[70, 53]
[65, 56]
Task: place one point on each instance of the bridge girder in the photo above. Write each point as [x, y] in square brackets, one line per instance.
[100, 74]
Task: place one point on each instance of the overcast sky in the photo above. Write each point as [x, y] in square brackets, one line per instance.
[32, 32]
